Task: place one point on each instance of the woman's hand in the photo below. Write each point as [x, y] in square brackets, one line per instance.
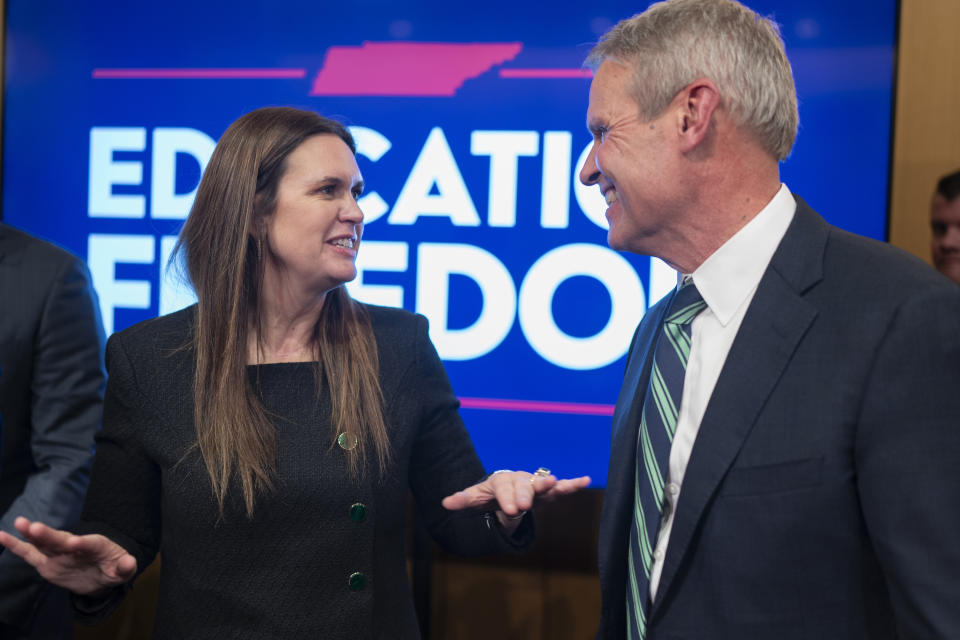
[85, 565]
[511, 493]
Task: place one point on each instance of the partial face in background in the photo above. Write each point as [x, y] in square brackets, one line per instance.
[314, 231]
[634, 163]
[945, 236]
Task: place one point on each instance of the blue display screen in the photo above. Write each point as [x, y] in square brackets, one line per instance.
[470, 126]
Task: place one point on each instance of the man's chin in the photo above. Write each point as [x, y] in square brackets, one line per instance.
[634, 242]
[617, 242]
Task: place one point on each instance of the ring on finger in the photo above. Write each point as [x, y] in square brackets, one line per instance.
[542, 472]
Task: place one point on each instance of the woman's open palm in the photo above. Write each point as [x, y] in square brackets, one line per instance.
[83, 564]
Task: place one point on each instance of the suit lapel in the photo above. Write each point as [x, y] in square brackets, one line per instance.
[774, 325]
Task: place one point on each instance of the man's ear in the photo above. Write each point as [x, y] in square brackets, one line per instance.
[698, 102]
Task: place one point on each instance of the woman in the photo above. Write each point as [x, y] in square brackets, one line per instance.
[265, 439]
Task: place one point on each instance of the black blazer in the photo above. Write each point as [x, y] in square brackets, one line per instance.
[51, 390]
[822, 496]
[289, 571]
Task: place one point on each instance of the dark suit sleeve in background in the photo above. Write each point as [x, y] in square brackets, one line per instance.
[66, 393]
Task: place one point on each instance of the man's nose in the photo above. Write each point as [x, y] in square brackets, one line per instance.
[951, 239]
[589, 173]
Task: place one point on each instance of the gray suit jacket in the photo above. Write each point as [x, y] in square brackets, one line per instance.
[822, 496]
[51, 392]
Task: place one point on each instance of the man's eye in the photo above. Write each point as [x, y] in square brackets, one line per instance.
[939, 229]
[602, 133]
[357, 193]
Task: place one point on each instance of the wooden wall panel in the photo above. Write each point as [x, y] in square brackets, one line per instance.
[476, 601]
[479, 601]
[927, 130]
[571, 607]
[550, 593]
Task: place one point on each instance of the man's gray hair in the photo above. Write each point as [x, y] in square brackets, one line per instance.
[675, 42]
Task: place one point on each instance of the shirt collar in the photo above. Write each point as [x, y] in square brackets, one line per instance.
[731, 274]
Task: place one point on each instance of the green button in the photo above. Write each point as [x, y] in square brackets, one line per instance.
[358, 512]
[347, 440]
[357, 581]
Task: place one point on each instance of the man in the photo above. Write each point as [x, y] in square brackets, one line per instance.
[785, 451]
[51, 390]
[945, 226]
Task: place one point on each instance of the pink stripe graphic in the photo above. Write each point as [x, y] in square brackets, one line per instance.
[204, 74]
[433, 69]
[546, 73]
[537, 406]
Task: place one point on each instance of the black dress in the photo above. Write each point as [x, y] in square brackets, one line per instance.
[323, 556]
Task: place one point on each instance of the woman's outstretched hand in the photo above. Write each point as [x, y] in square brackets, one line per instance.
[511, 493]
[85, 565]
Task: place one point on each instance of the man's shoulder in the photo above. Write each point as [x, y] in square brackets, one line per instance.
[29, 250]
[831, 260]
[877, 270]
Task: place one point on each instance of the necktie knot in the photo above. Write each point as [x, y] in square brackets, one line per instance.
[687, 303]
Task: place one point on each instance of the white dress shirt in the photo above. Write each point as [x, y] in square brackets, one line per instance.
[727, 281]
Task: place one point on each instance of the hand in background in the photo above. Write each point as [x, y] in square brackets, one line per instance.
[85, 565]
[511, 493]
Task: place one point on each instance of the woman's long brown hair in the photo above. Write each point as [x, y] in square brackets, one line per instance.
[226, 267]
